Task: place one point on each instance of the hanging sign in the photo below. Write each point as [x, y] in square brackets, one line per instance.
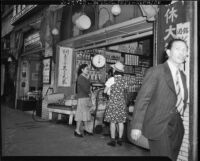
[168, 18]
[183, 32]
[47, 70]
[65, 66]
[32, 41]
[173, 23]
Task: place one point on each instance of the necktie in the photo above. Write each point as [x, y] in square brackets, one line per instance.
[179, 103]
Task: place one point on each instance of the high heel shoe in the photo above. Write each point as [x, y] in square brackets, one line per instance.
[119, 141]
[112, 143]
[77, 134]
[87, 133]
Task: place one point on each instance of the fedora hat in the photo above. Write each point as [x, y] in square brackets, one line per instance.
[118, 66]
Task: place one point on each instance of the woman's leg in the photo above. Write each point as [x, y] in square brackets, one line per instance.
[78, 125]
[88, 127]
[112, 130]
[121, 130]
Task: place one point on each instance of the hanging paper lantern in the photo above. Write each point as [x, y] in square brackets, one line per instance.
[55, 31]
[83, 22]
[116, 10]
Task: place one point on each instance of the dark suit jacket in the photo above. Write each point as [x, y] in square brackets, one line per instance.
[155, 101]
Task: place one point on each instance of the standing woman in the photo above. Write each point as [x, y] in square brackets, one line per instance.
[115, 112]
[83, 94]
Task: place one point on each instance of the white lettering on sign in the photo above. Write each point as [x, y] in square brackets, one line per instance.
[65, 66]
[170, 32]
[171, 15]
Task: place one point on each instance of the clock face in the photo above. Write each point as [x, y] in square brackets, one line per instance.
[99, 61]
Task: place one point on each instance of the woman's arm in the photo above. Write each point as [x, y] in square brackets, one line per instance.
[106, 89]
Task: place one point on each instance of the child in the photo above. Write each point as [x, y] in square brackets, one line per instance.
[109, 82]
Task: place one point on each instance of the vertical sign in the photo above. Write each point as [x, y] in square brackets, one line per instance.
[65, 67]
[172, 23]
[168, 17]
[47, 70]
[183, 32]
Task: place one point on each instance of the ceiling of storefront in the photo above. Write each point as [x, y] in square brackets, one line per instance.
[113, 34]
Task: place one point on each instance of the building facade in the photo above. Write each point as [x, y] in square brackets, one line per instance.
[50, 42]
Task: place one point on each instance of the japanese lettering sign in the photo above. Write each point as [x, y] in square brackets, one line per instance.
[172, 23]
[170, 19]
[65, 67]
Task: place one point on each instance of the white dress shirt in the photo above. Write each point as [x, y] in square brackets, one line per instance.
[173, 70]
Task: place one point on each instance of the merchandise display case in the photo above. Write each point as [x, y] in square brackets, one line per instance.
[137, 57]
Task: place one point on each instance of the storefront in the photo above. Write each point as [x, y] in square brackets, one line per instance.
[29, 52]
[30, 73]
[130, 42]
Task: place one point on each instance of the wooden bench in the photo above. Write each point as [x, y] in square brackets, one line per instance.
[62, 109]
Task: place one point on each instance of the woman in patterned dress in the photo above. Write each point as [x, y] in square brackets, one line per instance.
[115, 112]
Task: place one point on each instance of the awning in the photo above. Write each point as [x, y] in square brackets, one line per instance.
[129, 30]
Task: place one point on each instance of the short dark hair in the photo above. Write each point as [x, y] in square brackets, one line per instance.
[169, 46]
[110, 72]
[82, 66]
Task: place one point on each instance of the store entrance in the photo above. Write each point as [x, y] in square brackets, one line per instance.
[30, 84]
[137, 57]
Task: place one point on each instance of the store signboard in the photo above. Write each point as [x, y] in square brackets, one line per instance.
[32, 41]
[174, 22]
[47, 70]
[183, 32]
[168, 18]
[65, 67]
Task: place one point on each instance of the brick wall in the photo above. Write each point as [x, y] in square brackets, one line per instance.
[45, 112]
[183, 154]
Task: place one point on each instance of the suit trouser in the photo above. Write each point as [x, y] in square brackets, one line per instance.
[169, 143]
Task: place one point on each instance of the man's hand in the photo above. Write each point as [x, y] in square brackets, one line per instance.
[135, 134]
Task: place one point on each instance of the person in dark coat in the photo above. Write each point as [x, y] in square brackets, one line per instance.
[161, 102]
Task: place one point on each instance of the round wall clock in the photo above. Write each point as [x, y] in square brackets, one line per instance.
[99, 61]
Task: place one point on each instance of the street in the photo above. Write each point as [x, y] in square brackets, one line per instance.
[22, 136]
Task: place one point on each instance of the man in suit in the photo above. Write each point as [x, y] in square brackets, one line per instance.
[161, 102]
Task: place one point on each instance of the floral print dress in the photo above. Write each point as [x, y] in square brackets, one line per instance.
[116, 107]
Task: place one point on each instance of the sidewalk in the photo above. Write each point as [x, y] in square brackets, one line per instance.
[22, 136]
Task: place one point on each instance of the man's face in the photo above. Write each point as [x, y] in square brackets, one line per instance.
[178, 52]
